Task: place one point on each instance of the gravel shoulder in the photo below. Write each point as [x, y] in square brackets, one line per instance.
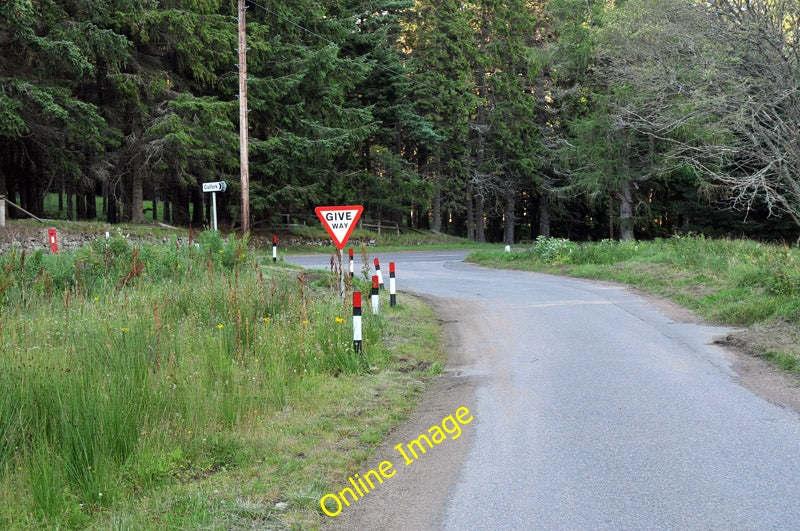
[415, 497]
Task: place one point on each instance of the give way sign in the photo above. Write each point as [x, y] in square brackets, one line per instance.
[339, 221]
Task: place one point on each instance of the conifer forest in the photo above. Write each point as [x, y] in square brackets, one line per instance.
[493, 120]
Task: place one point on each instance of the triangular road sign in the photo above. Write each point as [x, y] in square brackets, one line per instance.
[339, 221]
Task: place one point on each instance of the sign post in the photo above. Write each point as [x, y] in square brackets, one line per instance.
[219, 186]
[339, 221]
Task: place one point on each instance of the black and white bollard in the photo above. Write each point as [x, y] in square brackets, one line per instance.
[375, 300]
[350, 266]
[392, 286]
[274, 247]
[378, 272]
[357, 321]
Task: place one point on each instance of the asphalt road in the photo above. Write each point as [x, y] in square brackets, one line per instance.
[592, 410]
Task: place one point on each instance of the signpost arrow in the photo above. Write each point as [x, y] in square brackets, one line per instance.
[219, 186]
[339, 221]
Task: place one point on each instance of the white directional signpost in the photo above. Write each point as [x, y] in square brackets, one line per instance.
[219, 186]
[339, 221]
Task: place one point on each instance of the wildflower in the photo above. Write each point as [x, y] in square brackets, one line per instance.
[256, 360]
[96, 299]
[189, 432]
[220, 326]
[125, 330]
[266, 319]
[305, 321]
[339, 320]
[221, 251]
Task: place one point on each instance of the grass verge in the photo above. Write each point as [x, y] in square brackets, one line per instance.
[167, 386]
[732, 282]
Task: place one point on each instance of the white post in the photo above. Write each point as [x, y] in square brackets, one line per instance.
[2, 211]
[214, 209]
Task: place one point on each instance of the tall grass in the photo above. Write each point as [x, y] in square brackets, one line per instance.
[737, 282]
[123, 367]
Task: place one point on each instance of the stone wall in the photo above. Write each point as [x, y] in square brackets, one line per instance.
[30, 239]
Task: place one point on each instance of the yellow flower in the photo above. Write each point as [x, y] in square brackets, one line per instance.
[220, 326]
[305, 321]
[221, 251]
[125, 330]
[266, 319]
[96, 299]
[339, 320]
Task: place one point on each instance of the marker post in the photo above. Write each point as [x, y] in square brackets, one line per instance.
[274, 247]
[350, 253]
[378, 272]
[392, 286]
[357, 322]
[375, 300]
[53, 237]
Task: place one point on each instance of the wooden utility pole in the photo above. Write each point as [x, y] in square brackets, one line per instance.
[243, 134]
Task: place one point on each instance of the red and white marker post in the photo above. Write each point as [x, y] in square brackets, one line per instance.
[392, 286]
[375, 300]
[53, 237]
[274, 247]
[357, 321]
[378, 272]
[350, 267]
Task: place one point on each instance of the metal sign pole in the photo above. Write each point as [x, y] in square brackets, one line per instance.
[214, 209]
[341, 274]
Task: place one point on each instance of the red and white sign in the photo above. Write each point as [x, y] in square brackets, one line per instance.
[339, 221]
[53, 237]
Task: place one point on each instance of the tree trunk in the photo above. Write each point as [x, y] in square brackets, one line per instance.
[167, 218]
[112, 210]
[80, 201]
[61, 193]
[625, 211]
[544, 214]
[611, 216]
[480, 225]
[437, 202]
[470, 213]
[134, 212]
[197, 206]
[91, 203]
[180, 205]
[511, 218]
